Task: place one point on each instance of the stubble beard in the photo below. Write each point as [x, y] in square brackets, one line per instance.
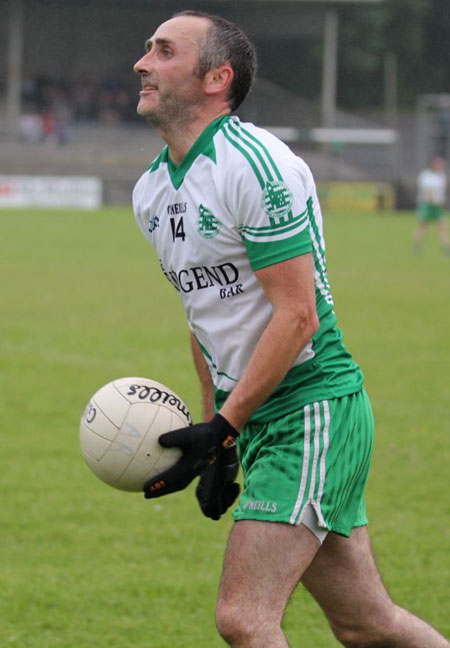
[171, 113]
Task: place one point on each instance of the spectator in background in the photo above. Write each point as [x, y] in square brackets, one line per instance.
[431, 191]
[31, 130]
[51, 107]
[84, 97]
[48, 113]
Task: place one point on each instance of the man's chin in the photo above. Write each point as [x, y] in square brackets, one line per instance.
[164, 115]
[146, 106]
[142, 111]
[151, 115]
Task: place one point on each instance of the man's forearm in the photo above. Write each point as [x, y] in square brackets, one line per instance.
[272, 358]
[289, 286]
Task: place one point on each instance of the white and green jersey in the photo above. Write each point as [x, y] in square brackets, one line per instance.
[431, 187]
[239, 201]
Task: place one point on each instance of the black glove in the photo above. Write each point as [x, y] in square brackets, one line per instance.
[201, 444]
[216, 489]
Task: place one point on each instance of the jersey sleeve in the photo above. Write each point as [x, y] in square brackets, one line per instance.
[268, 196]
[136, 202]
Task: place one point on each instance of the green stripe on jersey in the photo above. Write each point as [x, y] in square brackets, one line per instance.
[248, 157]
[268, 245]
[265, 150]
[263, 254]
[239, 133]
[271, 230]
[254, 151]
[319, 255]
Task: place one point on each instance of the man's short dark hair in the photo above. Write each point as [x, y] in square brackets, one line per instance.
[225, 42]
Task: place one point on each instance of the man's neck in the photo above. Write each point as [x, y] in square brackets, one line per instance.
[182, 136]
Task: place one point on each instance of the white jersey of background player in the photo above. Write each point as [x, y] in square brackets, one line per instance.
[432, 184]
[431, 194]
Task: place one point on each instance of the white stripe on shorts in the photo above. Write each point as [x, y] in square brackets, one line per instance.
[326, 412]
[316, 449]
[318, 461]
[301, 492]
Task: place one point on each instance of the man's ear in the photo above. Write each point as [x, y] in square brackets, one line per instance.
[218, 80]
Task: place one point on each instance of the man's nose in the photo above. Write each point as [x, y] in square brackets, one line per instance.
[142, 66]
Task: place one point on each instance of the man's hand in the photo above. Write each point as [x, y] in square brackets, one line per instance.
[201, 444]
[216, 489]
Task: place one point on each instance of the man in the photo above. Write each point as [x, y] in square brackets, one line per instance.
[431, 190]
[235, 220]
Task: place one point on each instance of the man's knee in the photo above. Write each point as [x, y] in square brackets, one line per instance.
[230, 622]
[241, 626]
[372, 629]
[351, 639]
[373, 634]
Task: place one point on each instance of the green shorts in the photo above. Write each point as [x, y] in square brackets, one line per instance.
[429, 212]
[318, 455]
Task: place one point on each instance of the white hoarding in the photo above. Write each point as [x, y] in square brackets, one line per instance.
[50, 191]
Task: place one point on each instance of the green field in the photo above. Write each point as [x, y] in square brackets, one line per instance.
[83, 302]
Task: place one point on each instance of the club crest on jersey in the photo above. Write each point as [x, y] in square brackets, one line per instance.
[207, 224]
[276, 201]
[153, 224]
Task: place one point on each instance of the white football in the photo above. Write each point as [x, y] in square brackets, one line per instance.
[120, 427]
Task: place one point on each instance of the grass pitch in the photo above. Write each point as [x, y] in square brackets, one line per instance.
[84, 302]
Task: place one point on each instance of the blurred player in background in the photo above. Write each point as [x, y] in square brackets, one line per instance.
[234, 217]
[431, 193]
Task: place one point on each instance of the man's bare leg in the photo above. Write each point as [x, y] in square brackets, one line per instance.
[344, 580]
[263, 564]
[443, 235]
[419, 234]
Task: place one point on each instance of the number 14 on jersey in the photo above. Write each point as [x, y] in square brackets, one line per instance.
[177, 227]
